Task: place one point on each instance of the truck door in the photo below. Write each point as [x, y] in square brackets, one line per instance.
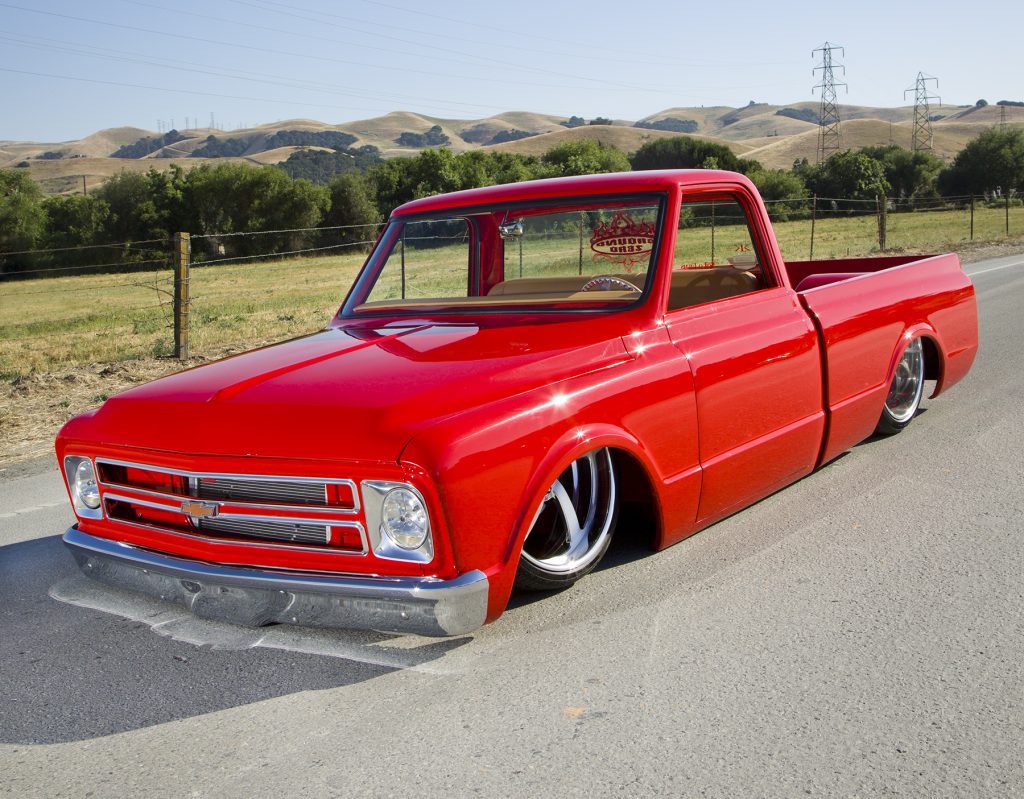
[753, 352]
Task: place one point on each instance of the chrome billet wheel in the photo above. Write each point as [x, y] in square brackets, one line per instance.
[573, 526]
[905, 391]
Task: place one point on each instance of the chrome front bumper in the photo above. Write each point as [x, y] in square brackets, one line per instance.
[252, 597]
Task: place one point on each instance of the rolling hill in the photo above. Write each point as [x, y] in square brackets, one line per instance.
[775, 135]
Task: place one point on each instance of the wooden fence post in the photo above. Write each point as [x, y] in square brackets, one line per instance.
[881, 204]
[814, 217]
[972, 217]
[182, 258]
[1007, 200]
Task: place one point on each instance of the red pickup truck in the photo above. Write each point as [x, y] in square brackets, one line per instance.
[516, 371]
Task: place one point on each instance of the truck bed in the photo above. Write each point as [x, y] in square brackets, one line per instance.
[806, 275]
[863, 309]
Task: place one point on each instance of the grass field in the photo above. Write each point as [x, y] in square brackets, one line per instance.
[57, 323]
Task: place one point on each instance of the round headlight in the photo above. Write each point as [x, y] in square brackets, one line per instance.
[404, 519]
[85, 485]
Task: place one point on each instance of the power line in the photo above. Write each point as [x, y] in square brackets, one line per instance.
[175, 91]
[289, 9]
[126, 56]
[263, 51]
[829, 135]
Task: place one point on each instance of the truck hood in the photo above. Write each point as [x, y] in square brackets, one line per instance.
[345, 393]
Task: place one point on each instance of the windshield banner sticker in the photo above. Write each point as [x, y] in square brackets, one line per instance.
[622, 240]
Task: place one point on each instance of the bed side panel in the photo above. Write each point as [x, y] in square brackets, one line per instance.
[863, 322]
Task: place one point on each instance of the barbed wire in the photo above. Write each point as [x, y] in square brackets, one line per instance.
[283, 230]
[87, 266]
[84, 247]
[278, 254]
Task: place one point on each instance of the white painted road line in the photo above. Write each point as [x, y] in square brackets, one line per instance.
[995, 269]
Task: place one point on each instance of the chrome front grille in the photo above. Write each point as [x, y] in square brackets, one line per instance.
[280, 530]
[307, 512]
[286, 492]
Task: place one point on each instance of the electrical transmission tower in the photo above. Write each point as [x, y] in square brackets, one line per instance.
[829, 138]
[922, 136]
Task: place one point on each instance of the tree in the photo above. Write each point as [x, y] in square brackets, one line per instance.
[686, 152]
[352, 203]
[237, 198]
[132, 214]
[848, 176]
[399, 180]
[73, 220]
[22, 218]
[784, 191]
[992, 162]
[582, 157]
[910, 174]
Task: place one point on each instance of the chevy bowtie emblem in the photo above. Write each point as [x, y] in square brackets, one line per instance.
[200, 509]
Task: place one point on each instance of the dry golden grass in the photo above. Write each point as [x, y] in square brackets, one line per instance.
[627, 139]
[781, 152]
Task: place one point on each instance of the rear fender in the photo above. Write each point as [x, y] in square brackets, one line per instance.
[935, 354]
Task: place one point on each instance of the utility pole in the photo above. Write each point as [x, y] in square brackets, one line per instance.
[921, 139]
[829, 137]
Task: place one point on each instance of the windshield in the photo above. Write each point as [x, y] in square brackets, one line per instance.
[587, 254]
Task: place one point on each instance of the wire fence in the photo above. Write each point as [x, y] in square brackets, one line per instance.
[230, 291]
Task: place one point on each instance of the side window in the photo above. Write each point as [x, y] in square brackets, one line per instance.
[716, 256]
[429, 260]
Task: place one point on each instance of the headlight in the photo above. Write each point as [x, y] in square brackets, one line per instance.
[397, 521]
[404, 519]
[85, 494]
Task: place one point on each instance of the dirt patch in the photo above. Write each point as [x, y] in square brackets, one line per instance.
[983, 250]
[37, 405]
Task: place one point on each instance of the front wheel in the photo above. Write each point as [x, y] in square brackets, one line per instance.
[905, 391]
[573, 526]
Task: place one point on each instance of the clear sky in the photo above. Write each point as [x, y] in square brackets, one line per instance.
[69, 68]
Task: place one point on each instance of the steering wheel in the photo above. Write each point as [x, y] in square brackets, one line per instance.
[609, 283]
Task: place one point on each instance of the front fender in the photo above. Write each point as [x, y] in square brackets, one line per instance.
[493, 464]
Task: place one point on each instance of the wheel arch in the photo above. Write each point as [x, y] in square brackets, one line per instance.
[637, 477]
[934, 355]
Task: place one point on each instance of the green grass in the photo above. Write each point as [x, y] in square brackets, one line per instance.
[59, 323]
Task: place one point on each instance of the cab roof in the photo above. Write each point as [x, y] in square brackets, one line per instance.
[658, 180]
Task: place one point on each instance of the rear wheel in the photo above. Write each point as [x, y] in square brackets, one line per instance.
[905, 391]
[573, 526]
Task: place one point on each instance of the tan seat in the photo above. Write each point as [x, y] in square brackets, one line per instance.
[553, 287]
[696, 286]
[539, 285]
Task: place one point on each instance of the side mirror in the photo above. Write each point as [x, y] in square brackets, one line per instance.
[511, 230]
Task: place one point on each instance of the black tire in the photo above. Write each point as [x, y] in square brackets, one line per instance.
[905, 391]
[573, 526]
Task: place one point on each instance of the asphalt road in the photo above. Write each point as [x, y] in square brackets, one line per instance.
[859, 634]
